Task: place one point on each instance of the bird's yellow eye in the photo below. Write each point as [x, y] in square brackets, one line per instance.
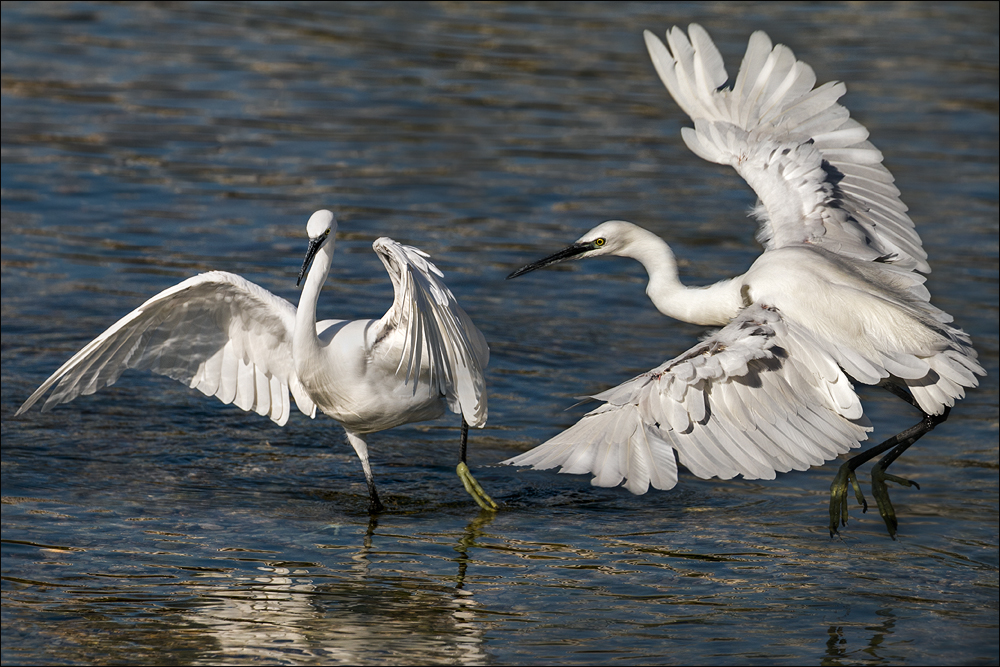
[598, 243]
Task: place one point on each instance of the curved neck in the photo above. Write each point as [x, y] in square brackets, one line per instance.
[712, 305]
[305, 337]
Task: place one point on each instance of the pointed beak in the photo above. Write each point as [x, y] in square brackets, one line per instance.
[572, 252]
[314, 245]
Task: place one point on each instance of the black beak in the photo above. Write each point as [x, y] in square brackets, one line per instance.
[571, 252]
[314, 245]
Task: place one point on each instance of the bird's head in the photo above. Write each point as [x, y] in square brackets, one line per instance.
[321, 228]
[613, 237]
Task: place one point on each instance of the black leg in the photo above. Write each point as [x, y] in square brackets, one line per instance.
[465, 440]
[374, 504]
[361, 449]
[898, 444]
[880, 476]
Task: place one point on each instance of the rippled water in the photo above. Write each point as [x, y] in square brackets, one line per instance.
[144, 143]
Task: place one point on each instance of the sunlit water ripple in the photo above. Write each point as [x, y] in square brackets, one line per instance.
[143, 143]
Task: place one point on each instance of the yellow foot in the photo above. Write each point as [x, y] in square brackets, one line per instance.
[472, 486]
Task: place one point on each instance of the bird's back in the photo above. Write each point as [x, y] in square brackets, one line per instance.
[876, 318]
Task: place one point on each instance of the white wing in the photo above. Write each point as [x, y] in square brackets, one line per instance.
[818, 178]
[760, 396]
[216, 332]
[439, 339]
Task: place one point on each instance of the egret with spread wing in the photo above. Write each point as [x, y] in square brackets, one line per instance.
[230, 338]
[836, 296]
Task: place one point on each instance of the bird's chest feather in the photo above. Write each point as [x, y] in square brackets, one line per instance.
[364, 385]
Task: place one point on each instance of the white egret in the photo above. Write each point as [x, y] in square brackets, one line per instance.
[230, 338]
[835, 296]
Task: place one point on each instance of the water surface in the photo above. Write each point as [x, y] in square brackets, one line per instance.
[144, 143]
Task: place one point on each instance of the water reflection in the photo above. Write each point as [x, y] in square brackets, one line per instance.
[146, 142]
[840, 650]
[357, 616]
[250, 618]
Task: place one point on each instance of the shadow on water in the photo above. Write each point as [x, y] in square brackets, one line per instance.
[144, 143]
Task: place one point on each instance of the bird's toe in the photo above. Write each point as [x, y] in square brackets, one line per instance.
[474, 489]
[838, 497]
[881, 493]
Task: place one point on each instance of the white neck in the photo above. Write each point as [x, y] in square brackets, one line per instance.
[305, 341]
[712, 305]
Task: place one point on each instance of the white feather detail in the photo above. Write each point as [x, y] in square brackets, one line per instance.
[202, 343]
[761, 127]
[736, 403]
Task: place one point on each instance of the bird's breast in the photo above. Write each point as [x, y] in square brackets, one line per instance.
[361, 384]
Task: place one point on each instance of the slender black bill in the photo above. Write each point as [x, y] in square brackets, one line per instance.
[314, 245]
[572, 251]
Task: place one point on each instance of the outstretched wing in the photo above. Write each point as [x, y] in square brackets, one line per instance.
[760, 396]
[439, 341]
[216, 332]
[818, 178]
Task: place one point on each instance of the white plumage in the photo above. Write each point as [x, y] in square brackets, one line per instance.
[229, 338]
[835, 296]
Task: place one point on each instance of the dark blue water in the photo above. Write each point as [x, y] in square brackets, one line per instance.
[142, 144]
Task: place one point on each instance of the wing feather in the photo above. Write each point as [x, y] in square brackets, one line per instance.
[440, 342]
[795, 145]
[216, 332]
[761, 395]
